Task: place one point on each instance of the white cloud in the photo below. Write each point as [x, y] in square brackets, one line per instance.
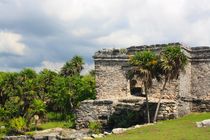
[82, 27]
[87, 68]
[11, 43]
[149, 21]
[54, 66]
[120, 39]
[81, 32]
[70, 10]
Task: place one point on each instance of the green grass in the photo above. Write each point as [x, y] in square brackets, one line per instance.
[43, 126]
[179, 129]
[48, 125]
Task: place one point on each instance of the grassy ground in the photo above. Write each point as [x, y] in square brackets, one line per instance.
[180, 129]
[48, 125]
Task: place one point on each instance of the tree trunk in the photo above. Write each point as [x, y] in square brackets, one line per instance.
[158, 105]
[147, 105]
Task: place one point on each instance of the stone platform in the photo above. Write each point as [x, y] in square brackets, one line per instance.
[122, 112]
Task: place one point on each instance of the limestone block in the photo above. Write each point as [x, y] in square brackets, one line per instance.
[204, 123]
[118, 130]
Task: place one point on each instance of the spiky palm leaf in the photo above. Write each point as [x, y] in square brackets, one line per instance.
[173, 61]
[145, 67]
[72, 67]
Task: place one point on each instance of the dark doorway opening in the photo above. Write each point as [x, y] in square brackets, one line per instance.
[136, 89]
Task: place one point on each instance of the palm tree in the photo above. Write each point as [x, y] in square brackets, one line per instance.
[173, 60]
[72, 67]
[144, 67]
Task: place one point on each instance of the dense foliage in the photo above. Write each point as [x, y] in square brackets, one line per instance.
[26, 94]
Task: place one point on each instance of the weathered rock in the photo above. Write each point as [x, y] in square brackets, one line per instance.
[107, 133]
[102, 112]
[2, 127]
[97, 135]
[87, 138]
[189, 93]
[204, 123]
[118, 130]
[137, 126]
[18, 138]
[52, 135]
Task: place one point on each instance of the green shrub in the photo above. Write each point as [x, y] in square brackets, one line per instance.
[3, 130]
[70, 121]
[55, 116]
[70, 124]
[29, 133]
[17, 125]
[95, 127]
[123, 51]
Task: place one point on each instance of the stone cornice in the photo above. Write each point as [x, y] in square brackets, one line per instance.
[197, 54]
[194, 54]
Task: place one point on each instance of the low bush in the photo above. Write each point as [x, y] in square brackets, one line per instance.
[55, 116]
[95, 127]
[17, 125]
[70, 121]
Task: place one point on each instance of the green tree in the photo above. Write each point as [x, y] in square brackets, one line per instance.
[26, 87]
[25, 94]
[173, 60]
[145, 67]
[9, 107]
[72, 67]
[45, 82]
[83, 87]
[92, 73]
[60, 95]
[37, 107]
[6, 86]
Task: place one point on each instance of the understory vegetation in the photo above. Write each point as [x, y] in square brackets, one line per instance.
[179, 129]
[31, 100]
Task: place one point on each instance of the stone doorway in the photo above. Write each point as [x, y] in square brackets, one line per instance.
[136, 88]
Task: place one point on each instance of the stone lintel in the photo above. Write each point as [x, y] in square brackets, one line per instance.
[197, 54]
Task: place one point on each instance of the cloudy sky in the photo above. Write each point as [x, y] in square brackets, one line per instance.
[47, 33]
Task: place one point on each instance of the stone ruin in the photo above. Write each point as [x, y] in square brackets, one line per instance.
[121, 102]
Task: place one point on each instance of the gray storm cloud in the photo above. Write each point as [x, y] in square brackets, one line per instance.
[39, 33]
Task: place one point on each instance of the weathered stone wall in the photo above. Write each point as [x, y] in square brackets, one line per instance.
[195, 82]
[199, 105]
[184, 94]
[111, 68]
[111, 79]
[171, 90]
[185, 82]
[189, 93]
[111, 112]
[94, 110]
[200, 80]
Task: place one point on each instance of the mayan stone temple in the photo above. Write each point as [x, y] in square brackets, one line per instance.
[119, 98]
